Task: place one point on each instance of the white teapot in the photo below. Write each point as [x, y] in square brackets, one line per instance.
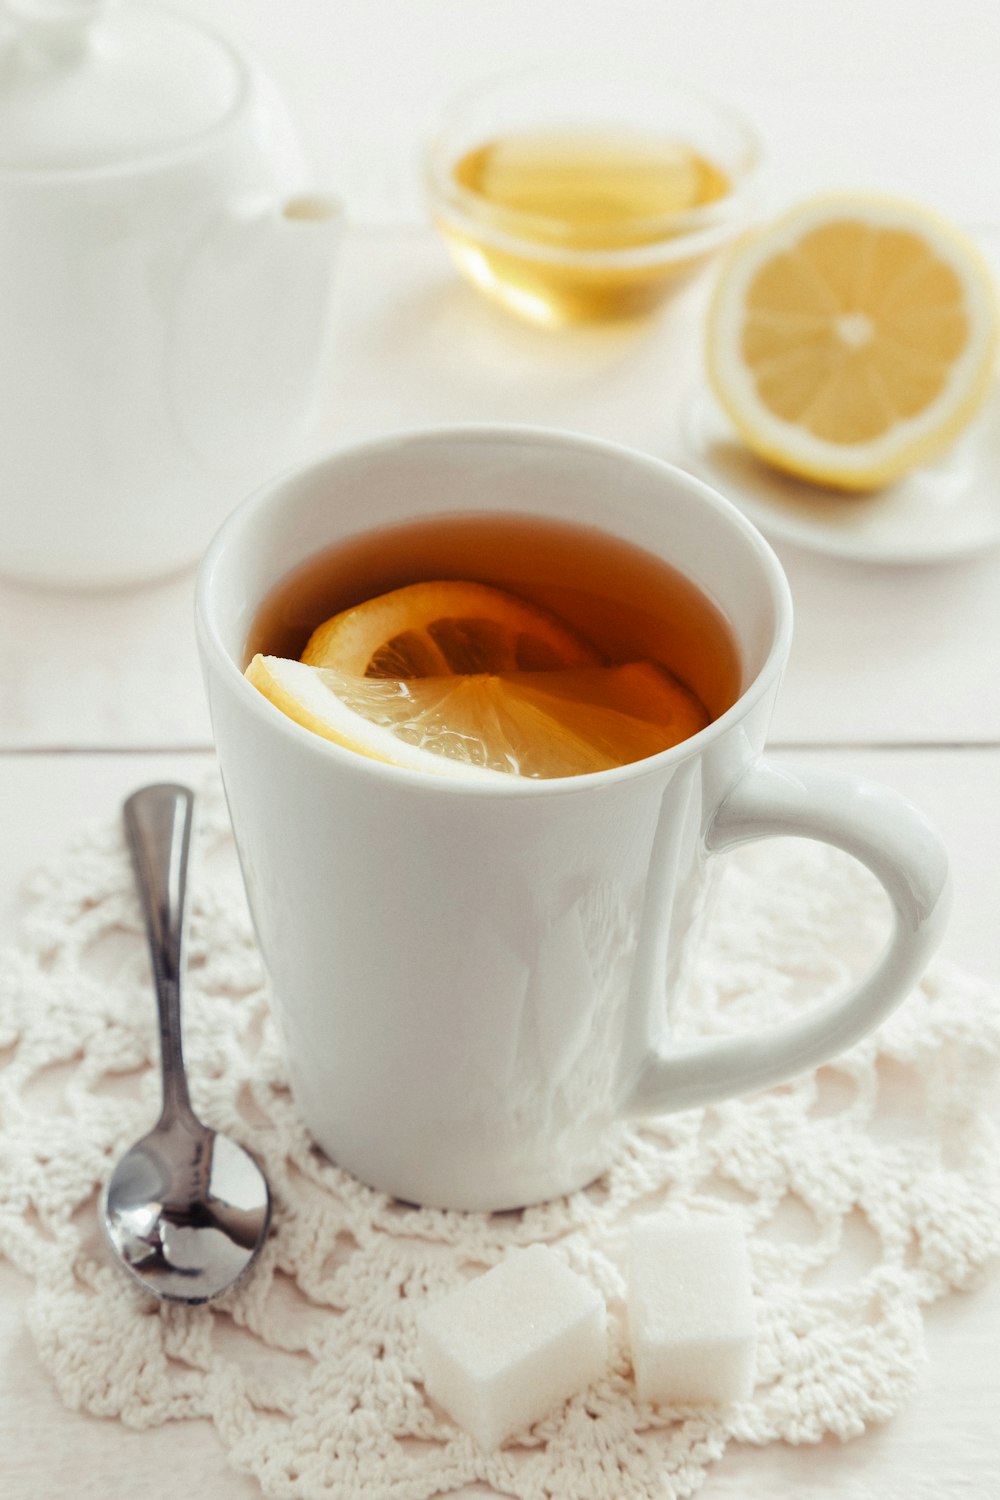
[164, 288]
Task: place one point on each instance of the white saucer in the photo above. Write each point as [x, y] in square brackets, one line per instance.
[944, 510]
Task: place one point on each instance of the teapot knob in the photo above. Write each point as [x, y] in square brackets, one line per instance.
[61, 27]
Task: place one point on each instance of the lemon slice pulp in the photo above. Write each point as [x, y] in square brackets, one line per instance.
[852, 339]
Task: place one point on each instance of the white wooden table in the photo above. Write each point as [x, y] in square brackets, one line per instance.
[895, 671]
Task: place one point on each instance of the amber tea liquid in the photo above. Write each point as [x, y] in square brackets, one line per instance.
[563, 192]
[627, 602]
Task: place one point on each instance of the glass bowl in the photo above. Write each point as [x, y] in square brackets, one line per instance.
[573, 198]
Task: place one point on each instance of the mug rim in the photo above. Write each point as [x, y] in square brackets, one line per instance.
[272, 720]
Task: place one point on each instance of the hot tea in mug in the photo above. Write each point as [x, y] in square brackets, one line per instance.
[573, 651]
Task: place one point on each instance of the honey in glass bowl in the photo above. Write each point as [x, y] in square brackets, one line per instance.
[569, 200]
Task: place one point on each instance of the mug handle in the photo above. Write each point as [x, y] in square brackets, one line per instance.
[888, 835]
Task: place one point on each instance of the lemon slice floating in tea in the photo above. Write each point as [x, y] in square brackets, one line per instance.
[852, 339]
[460, 679]
[534, 724]
[427, 629]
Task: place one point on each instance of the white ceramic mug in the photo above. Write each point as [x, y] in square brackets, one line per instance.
[474, 980]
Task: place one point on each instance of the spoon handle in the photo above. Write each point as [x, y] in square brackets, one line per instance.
[158, 829]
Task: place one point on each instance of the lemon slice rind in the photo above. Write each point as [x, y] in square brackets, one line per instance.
[309, 696]
[350, 640]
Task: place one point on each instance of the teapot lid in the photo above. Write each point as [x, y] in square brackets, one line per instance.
[86, 84]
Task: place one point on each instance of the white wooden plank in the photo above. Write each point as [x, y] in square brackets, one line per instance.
[47, 800]
[880, 654]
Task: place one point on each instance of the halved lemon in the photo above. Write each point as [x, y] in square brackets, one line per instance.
[433, 629]
[564, 722]
[852, 339]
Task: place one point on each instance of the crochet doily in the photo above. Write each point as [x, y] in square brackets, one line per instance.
[867, 1189]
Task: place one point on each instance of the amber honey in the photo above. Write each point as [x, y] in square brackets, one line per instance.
[575, 225]
[630, 604]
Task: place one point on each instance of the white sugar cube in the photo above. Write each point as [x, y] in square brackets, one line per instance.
[508, 1347]
[690, 1310]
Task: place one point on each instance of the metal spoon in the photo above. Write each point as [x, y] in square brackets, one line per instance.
[186, 1209]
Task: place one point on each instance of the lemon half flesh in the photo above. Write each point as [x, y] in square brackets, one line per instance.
[852, 339]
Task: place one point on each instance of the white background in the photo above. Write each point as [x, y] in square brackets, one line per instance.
[895, 671]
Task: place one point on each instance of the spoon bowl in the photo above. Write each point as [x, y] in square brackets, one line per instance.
[187, 1212]
[187, 1209]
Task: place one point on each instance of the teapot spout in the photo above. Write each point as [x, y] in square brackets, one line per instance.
[313, 208]
[252, 330]
[295, 249]
[307, 230]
